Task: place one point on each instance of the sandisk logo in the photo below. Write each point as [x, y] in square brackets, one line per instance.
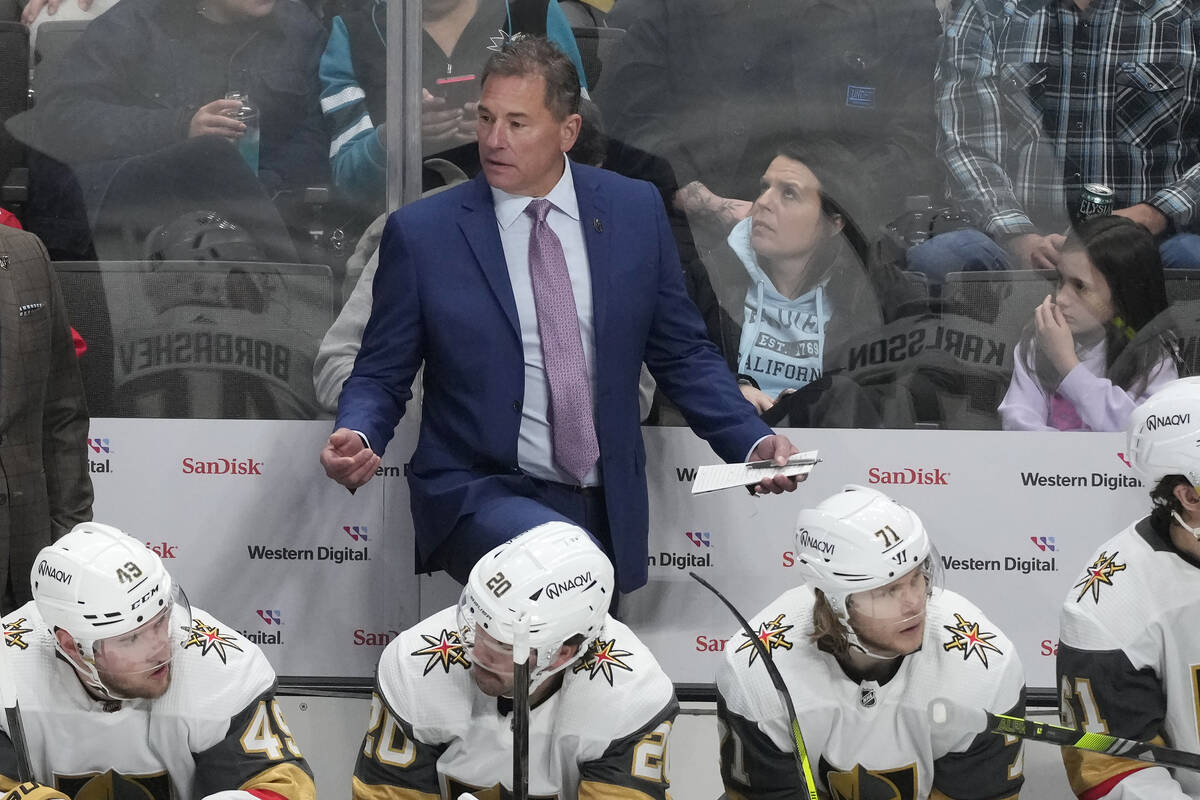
[909, 476]
[222, 466]
[162, 550]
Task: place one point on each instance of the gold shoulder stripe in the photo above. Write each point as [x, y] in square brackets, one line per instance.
[286, 779]
[595, 790]
[1086, 769]
[376, 791]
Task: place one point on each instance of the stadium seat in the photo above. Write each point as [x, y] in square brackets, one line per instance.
[186, 339]
[14, 98]
[595, 45]
[53, 39]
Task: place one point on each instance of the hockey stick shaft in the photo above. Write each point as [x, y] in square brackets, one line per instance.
[1095, 742]
[798, 748]
[12, 714]
[520, 726]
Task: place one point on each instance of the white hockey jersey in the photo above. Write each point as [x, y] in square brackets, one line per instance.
[217, 726]
[432, 733]
[867, 740]
[1129, 663]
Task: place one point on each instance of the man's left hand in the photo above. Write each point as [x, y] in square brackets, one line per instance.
[1154, 220]
[777, 448]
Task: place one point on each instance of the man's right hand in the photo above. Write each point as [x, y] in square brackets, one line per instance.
[212, 120]
[1034, 251]
[347, 460]
[34, 7]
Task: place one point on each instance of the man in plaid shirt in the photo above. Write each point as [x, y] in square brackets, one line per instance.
[1038, 97]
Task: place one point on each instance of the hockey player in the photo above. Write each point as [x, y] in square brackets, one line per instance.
[601, 707]
[125, 691]
[1128, 655]
[864, 649]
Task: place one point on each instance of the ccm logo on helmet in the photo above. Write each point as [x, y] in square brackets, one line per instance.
[808, 540]
[909, 475]
[1156, 421]
[553, 590]
[62, 576]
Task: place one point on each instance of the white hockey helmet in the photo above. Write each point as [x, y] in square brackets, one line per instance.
[547, 585]
[859, 540]
[99, 584]
[1164, 434]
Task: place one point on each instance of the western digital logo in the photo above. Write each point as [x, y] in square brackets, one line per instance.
[699, 538]
[338, 555]
[1096, 479]
[270, 616]
[356, 532]
[100, 445]
[1043, 543]
[1007, 564]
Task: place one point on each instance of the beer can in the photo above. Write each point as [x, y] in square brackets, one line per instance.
[1096, 200]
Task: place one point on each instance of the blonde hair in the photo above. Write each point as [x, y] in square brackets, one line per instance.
[829, 633]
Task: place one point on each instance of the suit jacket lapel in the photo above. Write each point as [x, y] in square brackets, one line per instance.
[478, 224]
[595, 219]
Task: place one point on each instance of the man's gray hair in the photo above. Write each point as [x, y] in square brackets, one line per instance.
[524, 56]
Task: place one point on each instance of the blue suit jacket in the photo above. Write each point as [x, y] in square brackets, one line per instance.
[443, 297]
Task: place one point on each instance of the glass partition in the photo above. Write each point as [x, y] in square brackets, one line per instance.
[871, 202]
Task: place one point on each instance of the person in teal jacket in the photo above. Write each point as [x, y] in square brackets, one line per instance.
[456, 38]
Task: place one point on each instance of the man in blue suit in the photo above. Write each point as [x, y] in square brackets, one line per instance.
[530, 412]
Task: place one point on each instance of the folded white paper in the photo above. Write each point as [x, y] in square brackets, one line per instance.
[712, 477]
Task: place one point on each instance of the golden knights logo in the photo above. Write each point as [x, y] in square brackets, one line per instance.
[13, 631]
[1100, 572]
[601, 659]
[967, 637]
[771, 634]
[859, 783]
[115, 786]
[444, 650]
[209, 639]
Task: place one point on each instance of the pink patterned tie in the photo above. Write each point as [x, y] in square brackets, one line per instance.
[572, 427]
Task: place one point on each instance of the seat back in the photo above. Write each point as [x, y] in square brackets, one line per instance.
[14, 95]
[595, 45]
[181, 339]
[54, 38]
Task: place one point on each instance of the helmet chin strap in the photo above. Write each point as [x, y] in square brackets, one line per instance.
[89, 674]
[1195, 532]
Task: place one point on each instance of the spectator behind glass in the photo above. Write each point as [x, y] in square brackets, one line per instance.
[455, 41]
[794, 288]
[1080, 364]
[139, 112]
[1036, 100]
[711, 85]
